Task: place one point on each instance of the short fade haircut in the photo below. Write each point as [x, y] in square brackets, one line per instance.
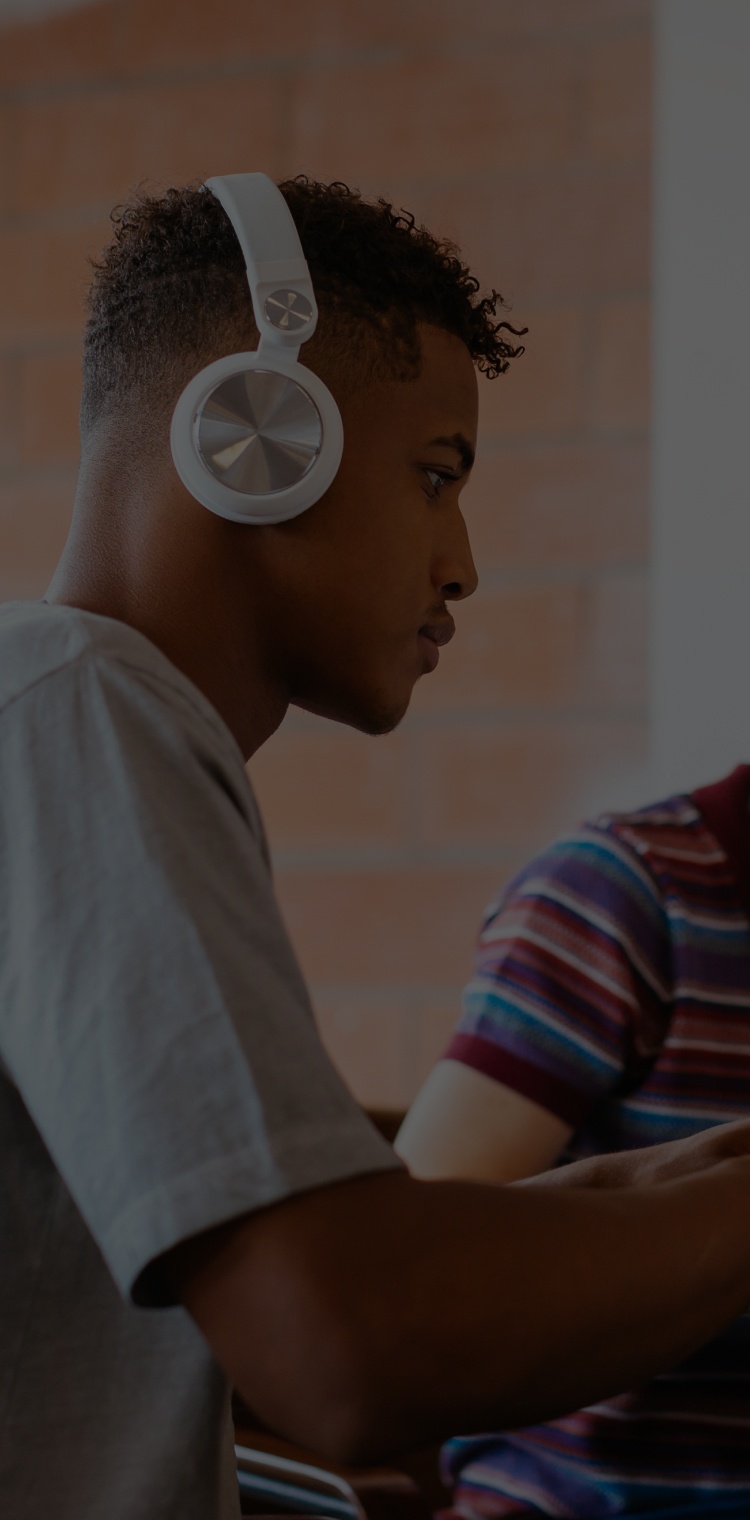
[170, 294]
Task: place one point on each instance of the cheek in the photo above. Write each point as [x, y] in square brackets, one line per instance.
[359, 570]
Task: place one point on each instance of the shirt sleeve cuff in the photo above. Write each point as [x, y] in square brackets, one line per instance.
[547, 1089]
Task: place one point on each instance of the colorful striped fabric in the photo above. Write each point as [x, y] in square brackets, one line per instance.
[612, 986]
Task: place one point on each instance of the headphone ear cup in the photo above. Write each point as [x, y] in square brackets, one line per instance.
[256, 439]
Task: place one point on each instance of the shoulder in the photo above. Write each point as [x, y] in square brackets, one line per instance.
[670, 830]
[38, 641]
[42, 645]
[604, 862]
[87, 700]
[593, 892]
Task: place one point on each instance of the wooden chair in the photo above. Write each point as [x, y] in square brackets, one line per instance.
[280, 1480]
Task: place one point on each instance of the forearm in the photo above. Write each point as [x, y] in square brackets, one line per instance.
[400, 1312]
[562, 1301]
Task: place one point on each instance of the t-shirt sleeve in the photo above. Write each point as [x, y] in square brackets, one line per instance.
[152, 1014]
[568, 1002]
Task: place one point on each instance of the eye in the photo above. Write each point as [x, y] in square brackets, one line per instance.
[437, 479]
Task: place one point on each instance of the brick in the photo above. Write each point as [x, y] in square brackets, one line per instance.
[617, 99]
[381, 928]
[9, 413]
[49, 398]
[331, 789]
[518, 784]
[542, 391]
[175, 33]
[7, 157]
[180, 32]
[94, 149]
[80, 44]
[43, 279]
[620, 388]
[369, 1041]
[616, 676]
[362, 123]
[518, 648]
[503, 20]
[34, 520]
[570, 505]
[549, 234]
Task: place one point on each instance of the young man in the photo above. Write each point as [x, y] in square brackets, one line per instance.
[191, 1195]
[610, 1009]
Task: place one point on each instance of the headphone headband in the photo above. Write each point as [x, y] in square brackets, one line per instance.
[284, 304]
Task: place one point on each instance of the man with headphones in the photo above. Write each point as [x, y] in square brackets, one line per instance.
[189, 1196]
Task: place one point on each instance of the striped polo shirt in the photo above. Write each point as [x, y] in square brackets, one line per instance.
[612, 986]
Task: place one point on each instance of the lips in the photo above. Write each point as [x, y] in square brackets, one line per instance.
[440, 632]
[433, 635]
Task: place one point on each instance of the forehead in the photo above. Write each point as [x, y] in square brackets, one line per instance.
[399, 416]
[447, 385]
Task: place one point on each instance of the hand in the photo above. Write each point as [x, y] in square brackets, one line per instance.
[653, 1164]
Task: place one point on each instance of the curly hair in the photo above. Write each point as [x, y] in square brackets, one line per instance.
[169, 293]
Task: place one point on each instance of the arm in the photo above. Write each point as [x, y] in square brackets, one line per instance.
[384, 1312]
[570, 980]
[463, 1124]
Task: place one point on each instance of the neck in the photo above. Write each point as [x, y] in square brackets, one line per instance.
[152, 558]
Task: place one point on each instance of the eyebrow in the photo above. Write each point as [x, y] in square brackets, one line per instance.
[462, 446]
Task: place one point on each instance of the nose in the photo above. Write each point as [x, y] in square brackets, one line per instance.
[456, 573]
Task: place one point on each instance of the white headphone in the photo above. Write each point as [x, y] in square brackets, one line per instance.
[257, 437]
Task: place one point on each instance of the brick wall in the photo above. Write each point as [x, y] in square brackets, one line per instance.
[521, 127]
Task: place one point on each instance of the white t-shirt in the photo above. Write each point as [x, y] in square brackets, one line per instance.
[160, 1069]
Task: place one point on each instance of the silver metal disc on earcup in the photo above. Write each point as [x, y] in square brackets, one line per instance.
[258, 432]
[256, 439]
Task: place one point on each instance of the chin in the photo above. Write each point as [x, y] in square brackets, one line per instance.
[372, 723]
[369, 712]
